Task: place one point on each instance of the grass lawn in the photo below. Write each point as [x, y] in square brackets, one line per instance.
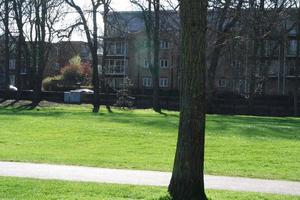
[262, 147]
[25, 189]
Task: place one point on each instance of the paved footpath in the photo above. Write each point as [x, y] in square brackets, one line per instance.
[138, 177]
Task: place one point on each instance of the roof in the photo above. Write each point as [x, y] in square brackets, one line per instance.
[133, 21]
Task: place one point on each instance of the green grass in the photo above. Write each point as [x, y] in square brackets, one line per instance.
[27, 189]
[262, 147]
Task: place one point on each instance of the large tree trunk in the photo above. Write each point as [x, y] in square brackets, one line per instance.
[17, 7]
[95, 64]
[7, 53]
[104, 85]
[156, 64]
[18, 67]
[187, 181]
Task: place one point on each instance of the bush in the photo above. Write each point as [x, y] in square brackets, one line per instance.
[72, 74]
[50, 83]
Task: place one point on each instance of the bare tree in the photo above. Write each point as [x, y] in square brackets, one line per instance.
[104, 85]
[297, 74]
[46, 15]
[187, 179]
[228, 14]
[92, 39]
[20, 9]
[5, 14]
[151, 16]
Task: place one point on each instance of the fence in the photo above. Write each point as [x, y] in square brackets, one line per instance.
[262, 106]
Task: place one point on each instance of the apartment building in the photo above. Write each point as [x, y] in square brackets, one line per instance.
[128, 58]
[276, 75]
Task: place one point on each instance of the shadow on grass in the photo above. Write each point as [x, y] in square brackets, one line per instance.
[167, 197]
[248, 126]
[219, 125]
[124, 117]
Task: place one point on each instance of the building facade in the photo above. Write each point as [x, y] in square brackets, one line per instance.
[275, 73]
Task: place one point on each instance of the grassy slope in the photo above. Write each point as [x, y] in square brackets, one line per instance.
[236, 145]
[26, 189]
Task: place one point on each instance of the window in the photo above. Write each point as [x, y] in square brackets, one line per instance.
[163, 82]
[111, 48]
[147, 81]
[12, 64]
[23, 70]
[164, 44]
[164, 63]
[292, 47]
[222, 83]
[236, 64]
[116, 66]
[117, 48]
[146, 63]
[12, 79]
[119, 66]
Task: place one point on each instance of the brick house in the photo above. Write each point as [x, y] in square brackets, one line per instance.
[12, 65]
[59, 56]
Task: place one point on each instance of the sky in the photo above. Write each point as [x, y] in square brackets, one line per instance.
[117, 5]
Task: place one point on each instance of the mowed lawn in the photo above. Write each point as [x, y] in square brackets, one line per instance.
[262, 147]
[27, 189]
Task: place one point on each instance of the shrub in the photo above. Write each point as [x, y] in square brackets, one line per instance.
[72, 73]
[76, 60]
[50, 83]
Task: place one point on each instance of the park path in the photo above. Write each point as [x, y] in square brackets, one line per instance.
[138, 177]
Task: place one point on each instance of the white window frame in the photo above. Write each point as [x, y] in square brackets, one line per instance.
[164, 82]
[12, 80]
[147, 81]
[164, 44]
[146, 63]
[164, 63]
[112, 66]
[115, 46]
[292, 47]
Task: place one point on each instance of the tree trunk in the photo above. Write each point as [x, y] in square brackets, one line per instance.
[18, 67]
[296, 100]
[96, 85]
[104, 86]
[96, 103]
[7, 53]
[156, 64]
[187, 181]
[252, 78]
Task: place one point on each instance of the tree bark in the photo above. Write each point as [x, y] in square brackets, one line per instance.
[7, 52]
[95, 64]
[156, 44]
[187, 181]
[104, 85]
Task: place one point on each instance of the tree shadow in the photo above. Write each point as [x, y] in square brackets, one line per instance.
[2, 101]
[166, 197]
[254, 127]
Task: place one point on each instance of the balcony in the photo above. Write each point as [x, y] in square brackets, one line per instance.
[116, 70]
